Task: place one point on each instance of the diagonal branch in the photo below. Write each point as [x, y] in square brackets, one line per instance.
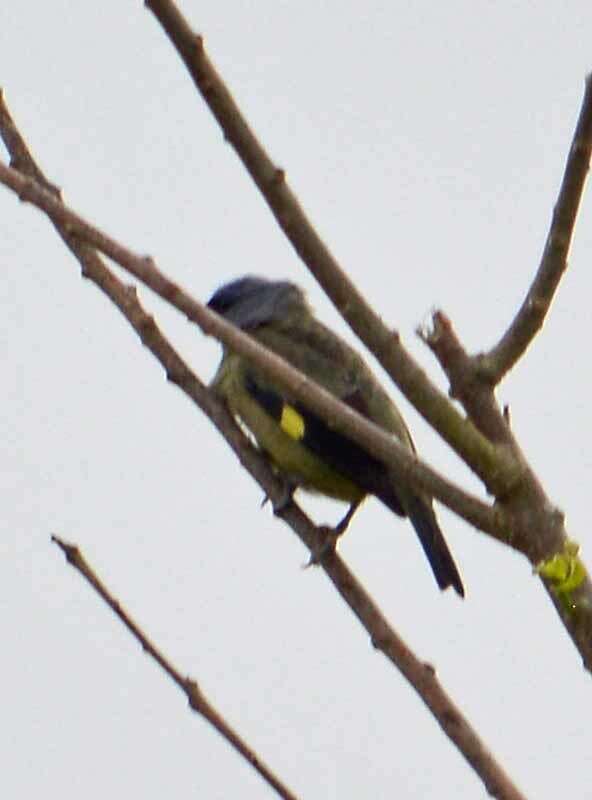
[531, 315]
[421, 676]
[432, 404]
[198, 702]
[404, 465]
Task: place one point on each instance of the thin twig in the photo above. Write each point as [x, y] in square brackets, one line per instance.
[197, 699]
[531, 315]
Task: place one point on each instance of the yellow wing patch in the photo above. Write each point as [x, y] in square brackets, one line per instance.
[292, 423]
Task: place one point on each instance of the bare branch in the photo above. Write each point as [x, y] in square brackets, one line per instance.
[529, 319]
[537, 526]
[197, 699]
[404, 465]
[432, 404]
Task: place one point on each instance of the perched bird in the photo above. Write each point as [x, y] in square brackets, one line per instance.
[301, 446]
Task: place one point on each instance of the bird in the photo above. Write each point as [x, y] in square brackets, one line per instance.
[303, 449]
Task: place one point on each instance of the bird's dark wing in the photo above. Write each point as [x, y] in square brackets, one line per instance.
[341, 453]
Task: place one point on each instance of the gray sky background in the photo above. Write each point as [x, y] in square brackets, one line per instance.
[427, 142]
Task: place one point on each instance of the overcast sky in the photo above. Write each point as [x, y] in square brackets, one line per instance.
[427, 142]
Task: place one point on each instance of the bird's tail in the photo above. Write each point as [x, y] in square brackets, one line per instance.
[423, 519]
[434, 545]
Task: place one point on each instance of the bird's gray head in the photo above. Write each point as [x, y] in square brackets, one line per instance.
[251, 301]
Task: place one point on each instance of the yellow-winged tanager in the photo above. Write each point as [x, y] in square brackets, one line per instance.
[303, 448]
